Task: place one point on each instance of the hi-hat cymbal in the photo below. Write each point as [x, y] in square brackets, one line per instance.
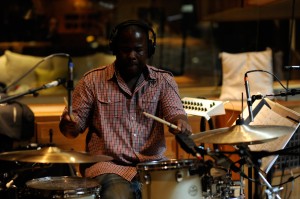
[52, 155]
[242, 134]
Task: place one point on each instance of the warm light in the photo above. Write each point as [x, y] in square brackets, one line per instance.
[90, 38]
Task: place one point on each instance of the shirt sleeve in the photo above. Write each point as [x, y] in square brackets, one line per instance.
[171, 100]
[83, 98]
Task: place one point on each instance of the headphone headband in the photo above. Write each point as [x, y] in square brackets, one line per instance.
[146, 27]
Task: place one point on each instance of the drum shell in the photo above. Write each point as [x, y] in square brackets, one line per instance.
[169, 180]
[62, 187]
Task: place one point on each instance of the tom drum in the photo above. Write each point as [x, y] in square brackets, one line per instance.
[171, 179]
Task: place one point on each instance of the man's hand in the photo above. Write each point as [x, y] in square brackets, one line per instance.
[183, 126]
[68, 125]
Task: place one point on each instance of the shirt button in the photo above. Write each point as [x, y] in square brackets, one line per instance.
[134, 134]
[132, 118]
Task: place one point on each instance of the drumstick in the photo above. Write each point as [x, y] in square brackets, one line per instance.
[198, 155]
[162, 121]
[71, 115]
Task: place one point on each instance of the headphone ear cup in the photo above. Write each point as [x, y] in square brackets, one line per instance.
[151, 48]
[111, 44]
[112, 48]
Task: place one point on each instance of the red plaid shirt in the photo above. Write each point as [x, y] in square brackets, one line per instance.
[103, 103]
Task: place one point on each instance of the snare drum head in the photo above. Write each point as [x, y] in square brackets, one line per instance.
[62, 187]
[62, 183]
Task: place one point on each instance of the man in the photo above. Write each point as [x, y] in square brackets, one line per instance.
[110, 102]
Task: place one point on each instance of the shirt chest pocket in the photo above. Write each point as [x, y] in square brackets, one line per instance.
[110, 106]
[149, 103]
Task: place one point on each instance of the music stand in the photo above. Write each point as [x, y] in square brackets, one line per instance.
[267, 112]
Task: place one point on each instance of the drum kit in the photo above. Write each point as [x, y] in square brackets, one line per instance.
[169, 179]
[182, 176]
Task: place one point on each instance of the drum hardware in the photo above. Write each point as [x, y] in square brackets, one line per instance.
[147, 178]
[179, 176]
[253, 160]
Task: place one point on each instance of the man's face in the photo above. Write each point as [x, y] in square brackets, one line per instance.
[131, 51]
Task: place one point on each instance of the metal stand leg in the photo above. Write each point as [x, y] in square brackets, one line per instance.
[271, 192]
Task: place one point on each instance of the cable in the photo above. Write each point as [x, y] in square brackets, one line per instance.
[289, 180]
[34, 67]
[250, 71]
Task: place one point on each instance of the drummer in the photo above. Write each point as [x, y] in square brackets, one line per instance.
[110, 101]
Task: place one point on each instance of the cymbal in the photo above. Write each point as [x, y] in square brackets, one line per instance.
[52, 155]
[242, 134]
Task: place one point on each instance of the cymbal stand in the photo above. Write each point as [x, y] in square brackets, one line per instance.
[271, 192]
[253, 161]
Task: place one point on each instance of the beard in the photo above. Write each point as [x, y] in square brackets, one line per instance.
[130, 70]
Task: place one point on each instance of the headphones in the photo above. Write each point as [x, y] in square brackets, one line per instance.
[115, 32]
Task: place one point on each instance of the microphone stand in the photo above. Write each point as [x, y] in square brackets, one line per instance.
[30, 91]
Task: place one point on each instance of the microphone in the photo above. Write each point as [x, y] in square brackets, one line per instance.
[249, 101]
[292, 67]
[70, 84]
[187, 144]
[54, 83]
[34, 90]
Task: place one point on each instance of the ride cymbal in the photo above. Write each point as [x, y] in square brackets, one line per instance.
[52, 155]
[242, 134]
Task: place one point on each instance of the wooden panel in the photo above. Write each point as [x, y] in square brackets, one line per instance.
[58, 139]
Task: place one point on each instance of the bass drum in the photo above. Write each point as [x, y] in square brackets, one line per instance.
[172, 179]
[62, 187]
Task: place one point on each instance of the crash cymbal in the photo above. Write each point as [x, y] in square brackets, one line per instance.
[242, 134]
[52, 155]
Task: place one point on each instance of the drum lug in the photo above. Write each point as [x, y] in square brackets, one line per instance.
[179, 176]
[147, 178]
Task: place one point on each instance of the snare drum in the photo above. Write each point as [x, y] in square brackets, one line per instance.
[172, 179]
[63, 187]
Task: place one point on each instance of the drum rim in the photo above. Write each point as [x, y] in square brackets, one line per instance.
[167, 164]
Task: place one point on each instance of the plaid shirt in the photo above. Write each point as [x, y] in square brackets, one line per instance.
[103, 103]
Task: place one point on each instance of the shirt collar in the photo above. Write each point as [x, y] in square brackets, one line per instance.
[113, 73]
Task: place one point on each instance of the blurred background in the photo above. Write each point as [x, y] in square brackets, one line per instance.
[190, 33]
